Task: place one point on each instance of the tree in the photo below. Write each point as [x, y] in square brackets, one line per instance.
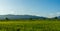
[6, 18]
[30, 18]
[55, 18]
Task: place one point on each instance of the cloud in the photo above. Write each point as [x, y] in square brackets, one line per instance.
[51, 15]
[54, 14]
[58, 13]
[3, 12]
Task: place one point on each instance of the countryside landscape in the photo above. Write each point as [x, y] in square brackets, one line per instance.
[29, 23]
[29, 15]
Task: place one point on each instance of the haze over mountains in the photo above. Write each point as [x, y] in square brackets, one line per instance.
[19, 16]
[10, 16]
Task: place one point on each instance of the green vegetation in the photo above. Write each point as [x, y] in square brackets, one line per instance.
[28, 25]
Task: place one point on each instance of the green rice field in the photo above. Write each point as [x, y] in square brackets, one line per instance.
[29, 25]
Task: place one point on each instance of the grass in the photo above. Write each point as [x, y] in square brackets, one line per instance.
[30, 25]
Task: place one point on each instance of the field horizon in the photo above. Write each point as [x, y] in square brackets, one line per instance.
[37, 25]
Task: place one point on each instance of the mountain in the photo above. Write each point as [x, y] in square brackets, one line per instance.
[58, 17]
[19, 16]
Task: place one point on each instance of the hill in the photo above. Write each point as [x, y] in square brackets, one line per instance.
[19, 16]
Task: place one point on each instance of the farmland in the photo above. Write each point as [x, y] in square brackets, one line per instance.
[37, 25]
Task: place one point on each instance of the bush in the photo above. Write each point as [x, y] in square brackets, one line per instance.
[6, 18]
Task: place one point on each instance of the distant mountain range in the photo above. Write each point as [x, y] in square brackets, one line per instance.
[58, 17]
[19, 16]
[9, 16]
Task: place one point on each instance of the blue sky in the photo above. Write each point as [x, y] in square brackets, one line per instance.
[46, 8]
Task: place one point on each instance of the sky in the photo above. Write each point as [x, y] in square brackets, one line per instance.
[46, 8]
